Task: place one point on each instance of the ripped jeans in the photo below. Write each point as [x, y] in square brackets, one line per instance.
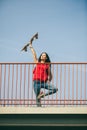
[38, 85]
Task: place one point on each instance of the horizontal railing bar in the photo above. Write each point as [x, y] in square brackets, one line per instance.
[41, 100]
[48, 63]
[46, 104]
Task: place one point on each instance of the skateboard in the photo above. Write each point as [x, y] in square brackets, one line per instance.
[30, 42]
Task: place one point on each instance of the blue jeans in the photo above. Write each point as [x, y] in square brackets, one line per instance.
[38, 85]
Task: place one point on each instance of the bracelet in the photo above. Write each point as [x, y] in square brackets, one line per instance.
[30, 46]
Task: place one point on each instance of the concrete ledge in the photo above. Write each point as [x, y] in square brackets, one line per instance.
[43, 110]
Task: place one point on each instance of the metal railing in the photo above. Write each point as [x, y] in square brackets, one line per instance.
[16, 84]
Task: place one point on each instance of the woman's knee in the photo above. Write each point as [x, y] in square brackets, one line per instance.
[55, 90]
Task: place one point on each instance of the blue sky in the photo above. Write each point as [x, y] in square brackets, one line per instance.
[61, 25]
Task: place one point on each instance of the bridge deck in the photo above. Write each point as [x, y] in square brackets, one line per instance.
[44, 110]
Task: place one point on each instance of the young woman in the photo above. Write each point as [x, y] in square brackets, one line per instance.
[42, 75]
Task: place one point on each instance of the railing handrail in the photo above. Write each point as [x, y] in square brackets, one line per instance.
[37, 63]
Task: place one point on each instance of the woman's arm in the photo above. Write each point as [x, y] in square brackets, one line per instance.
[34, 53]
[49, 74]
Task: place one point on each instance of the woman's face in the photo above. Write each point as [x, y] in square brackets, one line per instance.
[43, 56]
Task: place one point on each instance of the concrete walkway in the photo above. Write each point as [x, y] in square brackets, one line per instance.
[43, 110]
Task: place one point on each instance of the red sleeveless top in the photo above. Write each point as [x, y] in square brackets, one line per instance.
[40, 72]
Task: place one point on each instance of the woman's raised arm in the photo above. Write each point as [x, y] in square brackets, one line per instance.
[34, 53]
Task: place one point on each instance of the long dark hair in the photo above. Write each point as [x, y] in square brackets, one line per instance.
[47, 60]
